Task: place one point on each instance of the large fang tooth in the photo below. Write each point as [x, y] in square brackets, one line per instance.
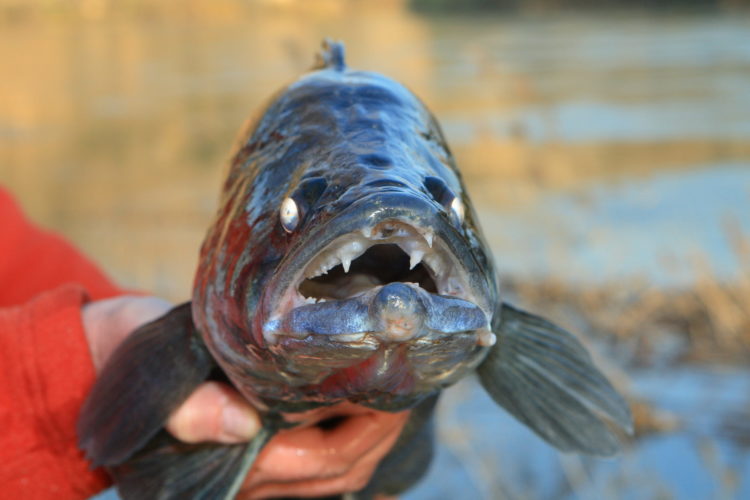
[346, 261]
[415, 258]
[428, 238]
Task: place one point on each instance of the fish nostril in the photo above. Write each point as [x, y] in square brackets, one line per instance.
[438, 190]
[309, 190]
[442, 194]
[376, 160]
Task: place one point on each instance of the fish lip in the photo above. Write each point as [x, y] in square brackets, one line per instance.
[409, 209]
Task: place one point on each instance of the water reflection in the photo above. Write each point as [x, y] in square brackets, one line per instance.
[599, 149]
[690, 463]
[655, 226]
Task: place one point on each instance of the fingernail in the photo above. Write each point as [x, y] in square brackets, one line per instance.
[239, 424]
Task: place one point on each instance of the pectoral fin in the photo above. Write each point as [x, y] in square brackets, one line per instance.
[168, 469]
[545, 378]
[147, 377]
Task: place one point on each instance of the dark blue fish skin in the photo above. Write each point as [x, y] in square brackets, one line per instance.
[373, 143]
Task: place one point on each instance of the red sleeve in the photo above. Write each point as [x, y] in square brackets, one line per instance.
[45, 365]
[46, 373]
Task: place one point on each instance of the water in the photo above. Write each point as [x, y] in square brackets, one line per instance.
[486, 454]
[653, 227]
[597, 148]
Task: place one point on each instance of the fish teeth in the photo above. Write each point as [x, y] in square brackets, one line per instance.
[346, 262]
[415, 258]
[350, 251]
[416, 242]
[434, 264]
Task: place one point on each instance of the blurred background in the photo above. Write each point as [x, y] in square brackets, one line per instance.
[606, 146]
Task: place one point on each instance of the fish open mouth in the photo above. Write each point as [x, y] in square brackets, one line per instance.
[359, 263]
[367, 270]
[379, 305]
[392, 251]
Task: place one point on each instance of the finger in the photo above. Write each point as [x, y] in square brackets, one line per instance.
[214, 412]
[328, 453]
[107, 322]
[315, 461]
[134, 311]
[321, 479]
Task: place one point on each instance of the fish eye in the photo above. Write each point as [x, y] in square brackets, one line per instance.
[289, 215]
[457, 207]
[295, 206]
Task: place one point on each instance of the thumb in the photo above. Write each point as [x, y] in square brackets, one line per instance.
[214, 412]
[108, 322]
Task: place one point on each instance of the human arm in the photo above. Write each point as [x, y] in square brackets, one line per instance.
[50, 352]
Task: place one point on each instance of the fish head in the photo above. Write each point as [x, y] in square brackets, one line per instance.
[383, 303]
[364, 276]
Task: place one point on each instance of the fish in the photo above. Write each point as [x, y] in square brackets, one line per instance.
[345, 263]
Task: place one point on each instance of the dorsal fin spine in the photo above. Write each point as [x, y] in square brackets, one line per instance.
[331, 56]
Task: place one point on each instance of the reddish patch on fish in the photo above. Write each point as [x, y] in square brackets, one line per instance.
[387, 371]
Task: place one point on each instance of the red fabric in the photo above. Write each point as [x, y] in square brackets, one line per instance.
[45, 365]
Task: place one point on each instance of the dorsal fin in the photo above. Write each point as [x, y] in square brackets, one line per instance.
[331, 56]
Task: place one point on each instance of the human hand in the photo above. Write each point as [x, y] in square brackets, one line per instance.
[305, 461]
